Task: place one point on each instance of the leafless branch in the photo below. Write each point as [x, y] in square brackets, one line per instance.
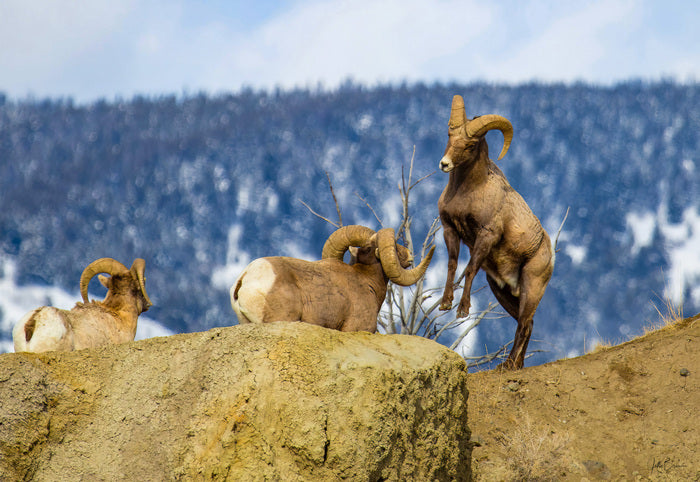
[335, 200]
[556, 239]
[320, 216]
[339, 224]
[476, 361]
[371, 209]
[422, 179]
[474, 324]
[410, 310]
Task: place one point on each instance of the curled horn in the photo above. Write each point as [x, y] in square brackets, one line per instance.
[138, 268]
[390, 260]
[340, 240]
[481, 125]
[102, 265]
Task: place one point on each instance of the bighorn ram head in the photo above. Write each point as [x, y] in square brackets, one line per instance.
[466, 137]
[120, 279]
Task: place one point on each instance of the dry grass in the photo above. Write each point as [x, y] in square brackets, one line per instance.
[671, 315]
[535, 452]
[600, 345]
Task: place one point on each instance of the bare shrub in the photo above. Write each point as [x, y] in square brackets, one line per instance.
[414, 310]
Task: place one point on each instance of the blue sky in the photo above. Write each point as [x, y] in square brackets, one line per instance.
[108, 49]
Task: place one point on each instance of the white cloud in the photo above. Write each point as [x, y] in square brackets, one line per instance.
[45, 46]
[102, 49]
[368, 41]
[577, 44]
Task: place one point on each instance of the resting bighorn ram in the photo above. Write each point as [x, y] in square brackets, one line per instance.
[91, 323]
[504, 237]
[328, 292]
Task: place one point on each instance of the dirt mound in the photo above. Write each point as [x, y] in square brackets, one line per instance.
[628, 412]
[279, 401]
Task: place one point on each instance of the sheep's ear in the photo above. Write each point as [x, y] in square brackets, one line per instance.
[353, 250]
[104, 280]
[376, 253]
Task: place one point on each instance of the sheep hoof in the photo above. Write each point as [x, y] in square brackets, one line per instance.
[508, 365]
[463, 310]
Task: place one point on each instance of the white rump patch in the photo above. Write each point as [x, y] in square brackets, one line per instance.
[49, 331]
[249, 300]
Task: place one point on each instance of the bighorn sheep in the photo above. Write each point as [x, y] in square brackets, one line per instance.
[328, 292]
[89, 324]
[505, 239]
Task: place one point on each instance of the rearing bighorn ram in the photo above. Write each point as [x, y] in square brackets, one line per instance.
[328, 292]
[505, 239]
[91, 323]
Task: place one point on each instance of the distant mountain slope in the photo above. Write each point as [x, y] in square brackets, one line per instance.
[200, 185]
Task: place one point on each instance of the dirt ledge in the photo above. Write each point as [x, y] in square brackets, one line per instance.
[628, 412]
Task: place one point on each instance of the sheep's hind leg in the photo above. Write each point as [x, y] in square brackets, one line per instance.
[532, 290]
[511, 304]
[508, 301]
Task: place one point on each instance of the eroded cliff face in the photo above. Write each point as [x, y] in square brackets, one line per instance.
[282, 401]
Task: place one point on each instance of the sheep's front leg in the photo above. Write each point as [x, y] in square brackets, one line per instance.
[452, 243]
[482, 247]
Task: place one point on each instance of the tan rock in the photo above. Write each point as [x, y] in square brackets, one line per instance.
[280, 401]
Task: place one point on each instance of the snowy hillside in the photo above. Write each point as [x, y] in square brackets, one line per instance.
[199, 186]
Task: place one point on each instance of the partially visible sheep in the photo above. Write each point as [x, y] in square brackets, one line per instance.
[91, 323]
[327, 292]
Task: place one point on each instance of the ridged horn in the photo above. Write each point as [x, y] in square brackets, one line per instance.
[481, 125]
[138, 269]
[103, 265]
[458, 116]
[390, 260]
[341, 239]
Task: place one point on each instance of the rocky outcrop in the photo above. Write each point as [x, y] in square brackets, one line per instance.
[281, 401]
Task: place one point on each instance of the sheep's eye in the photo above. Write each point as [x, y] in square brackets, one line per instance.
[460, 144]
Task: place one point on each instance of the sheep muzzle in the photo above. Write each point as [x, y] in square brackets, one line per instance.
[446, 164]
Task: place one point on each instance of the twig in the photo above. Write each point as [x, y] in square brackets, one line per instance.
[476, 322]
[556, 239]
[335, 200]
[318, 215]
[370, 208]
[422, 179]
[339, 224]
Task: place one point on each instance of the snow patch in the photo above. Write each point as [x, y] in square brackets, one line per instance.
[682, 241]
[576, 253]
[236, 260]
[392, 208]
[642, 226]
[148, 328]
